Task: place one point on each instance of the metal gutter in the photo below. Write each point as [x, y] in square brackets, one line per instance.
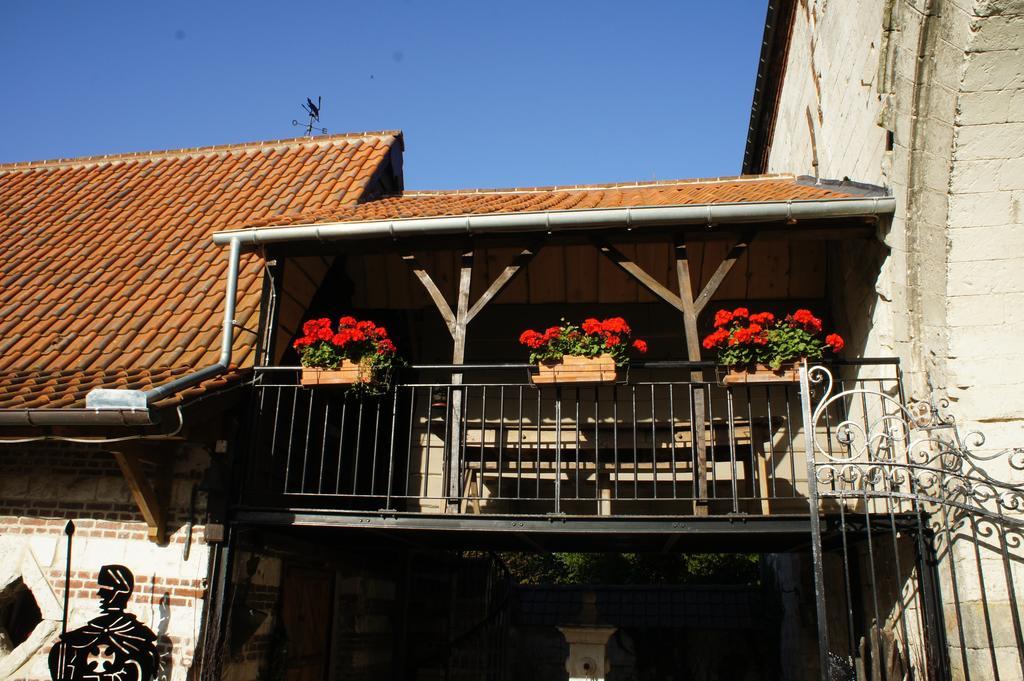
[565, 220]
[103, 400]
[75, 417]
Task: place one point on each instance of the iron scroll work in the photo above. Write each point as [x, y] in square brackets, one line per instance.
[918, 540]
[113, 646]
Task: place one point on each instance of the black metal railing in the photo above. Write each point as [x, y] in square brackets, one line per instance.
[478, 439]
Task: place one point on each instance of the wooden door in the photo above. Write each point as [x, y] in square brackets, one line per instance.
[306, 612]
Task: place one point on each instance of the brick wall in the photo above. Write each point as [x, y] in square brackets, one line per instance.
[41, 487]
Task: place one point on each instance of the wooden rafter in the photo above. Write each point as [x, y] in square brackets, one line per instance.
[634, 270]
[432, 290]
[503, 280]
[150, 495]
[735, 252]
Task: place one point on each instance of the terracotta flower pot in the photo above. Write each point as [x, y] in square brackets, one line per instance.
[576, 369]
[347, 373]
[761, 373]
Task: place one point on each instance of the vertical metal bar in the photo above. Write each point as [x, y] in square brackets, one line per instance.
[424, 472]
[654, 443]
[712, 442]
[730, 415]
[576, 392]
[815, 518]
[408, 445]
[273, 436]
[558, 449]
[851, 631]
[672, 437]
[615, 438]
[501, 437]
[463, 459]
[771, 442]
[899, 577]
[983, 590]
[323, 448]
[597, 449]
[871, 565]
[792, 445]
[536, 470]
[483, 439]
[752, 472]
[698, 476]
[341, 446]
[305, 445]
[358, 450]
[446, 451]
[519, 445]
[376, 440]
[636, 462]
[1011, 590]
[291, 438]
[391, 447]
[950, 548]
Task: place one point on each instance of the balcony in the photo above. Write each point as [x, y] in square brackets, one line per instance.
[482, 440]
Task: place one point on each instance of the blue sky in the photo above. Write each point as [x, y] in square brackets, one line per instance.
[488, 94]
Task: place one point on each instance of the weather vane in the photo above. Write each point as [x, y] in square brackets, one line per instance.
[314, 117]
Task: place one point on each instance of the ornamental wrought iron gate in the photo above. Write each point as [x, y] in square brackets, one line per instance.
[917, 535]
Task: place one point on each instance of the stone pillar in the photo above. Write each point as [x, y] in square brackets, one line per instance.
[588, 652]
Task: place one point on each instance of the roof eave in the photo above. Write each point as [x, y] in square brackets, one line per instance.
[566, 220]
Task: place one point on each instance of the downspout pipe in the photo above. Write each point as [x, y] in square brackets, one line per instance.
[104, 399]
[565, 220]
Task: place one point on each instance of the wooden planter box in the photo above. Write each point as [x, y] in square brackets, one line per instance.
[575, 369]
[347, 373]
[762, 373]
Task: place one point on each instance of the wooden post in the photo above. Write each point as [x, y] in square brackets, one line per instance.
[459, 357]
[700, 479]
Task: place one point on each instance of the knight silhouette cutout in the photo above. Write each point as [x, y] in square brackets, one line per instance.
[114, 646]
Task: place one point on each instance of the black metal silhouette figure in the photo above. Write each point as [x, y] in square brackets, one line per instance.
[114, 646]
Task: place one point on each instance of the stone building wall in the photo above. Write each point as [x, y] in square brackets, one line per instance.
[41, 487]
[926, 97]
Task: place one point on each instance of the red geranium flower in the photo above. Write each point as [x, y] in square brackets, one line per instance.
[741, 312]
[615, 325]
[640, 346]
[722, 318]
[762, 318]
[835, 342]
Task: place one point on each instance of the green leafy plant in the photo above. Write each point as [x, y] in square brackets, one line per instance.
[592, 338]
[743, 339]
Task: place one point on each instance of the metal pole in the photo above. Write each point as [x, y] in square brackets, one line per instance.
[812, 502]
[69, 530]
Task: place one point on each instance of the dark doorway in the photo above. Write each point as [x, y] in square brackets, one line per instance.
[307, 604]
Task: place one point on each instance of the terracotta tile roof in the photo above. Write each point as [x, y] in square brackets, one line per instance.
[418, 204]
[108, 272]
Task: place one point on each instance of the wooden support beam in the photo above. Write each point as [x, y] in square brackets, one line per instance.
[734, 254]
[634, 270]
[432, 290]
[459, 357]
[690, 312]
[145, 492]
[503, 280]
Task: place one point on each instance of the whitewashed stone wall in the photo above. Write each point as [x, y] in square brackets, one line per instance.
[40, 489]
[944, 288]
